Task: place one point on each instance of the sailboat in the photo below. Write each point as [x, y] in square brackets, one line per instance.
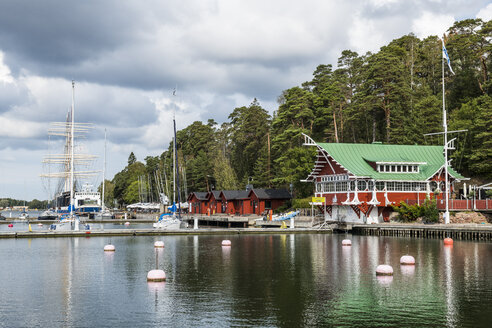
[104, 213]
[24, 215]
[172, 220]
[67, 200]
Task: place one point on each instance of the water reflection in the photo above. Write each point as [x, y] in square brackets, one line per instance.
[407, 270]
[263, 280]
[384, 280]
[450, 297]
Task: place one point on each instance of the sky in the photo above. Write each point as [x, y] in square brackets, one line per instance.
[127, 57]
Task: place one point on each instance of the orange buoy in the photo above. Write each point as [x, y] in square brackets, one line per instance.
[448, 241]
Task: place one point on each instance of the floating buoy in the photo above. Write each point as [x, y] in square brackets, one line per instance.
[159, 244]
[407, 260]
[10, 225]
[109, 248]
[384, 270]
[448, 241]
[40, 224]
[127, 223]
[156, 275]
[226, 242]
[346, 242]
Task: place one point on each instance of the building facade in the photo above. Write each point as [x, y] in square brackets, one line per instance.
[360, 182]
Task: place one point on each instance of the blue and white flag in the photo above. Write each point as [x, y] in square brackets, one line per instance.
[445, 56]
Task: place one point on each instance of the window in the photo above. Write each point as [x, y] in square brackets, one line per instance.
[400, 168]
[268, 204]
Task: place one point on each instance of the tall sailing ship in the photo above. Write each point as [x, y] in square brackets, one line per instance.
[71, 169]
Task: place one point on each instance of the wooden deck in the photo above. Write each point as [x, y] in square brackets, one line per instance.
[474, 232]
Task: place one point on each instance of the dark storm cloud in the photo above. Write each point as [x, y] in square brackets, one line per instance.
[40, 35]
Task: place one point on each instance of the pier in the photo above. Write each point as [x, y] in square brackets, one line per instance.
[456, 231]
[154, 232]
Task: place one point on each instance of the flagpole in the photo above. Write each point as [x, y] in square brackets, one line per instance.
[445, 125]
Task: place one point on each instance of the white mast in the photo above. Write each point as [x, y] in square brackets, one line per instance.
[72, 150]
[445, 125]
[103, 208]
[174, 152]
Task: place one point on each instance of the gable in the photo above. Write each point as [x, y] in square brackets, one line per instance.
[361, 160]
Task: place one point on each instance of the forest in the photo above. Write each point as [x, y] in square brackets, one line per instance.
[393, 96]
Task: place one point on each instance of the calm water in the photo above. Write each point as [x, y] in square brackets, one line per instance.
[262, 281]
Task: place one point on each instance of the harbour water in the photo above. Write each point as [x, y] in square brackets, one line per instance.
[261, 281]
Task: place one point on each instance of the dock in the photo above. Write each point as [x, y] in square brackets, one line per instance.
[153, 232]
[473, 232]
[224, 221]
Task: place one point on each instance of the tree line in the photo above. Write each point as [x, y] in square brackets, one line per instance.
[393, 96]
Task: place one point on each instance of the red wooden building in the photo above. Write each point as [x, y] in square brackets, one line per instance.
[267, 199]
[215, 202]
[360, 182]
[198, 202]
[237, 202]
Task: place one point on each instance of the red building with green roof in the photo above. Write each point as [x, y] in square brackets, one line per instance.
[361, 181]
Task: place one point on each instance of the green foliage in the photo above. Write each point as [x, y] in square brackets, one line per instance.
[429, 211]
[33, 204]
[249, 127]
[131, 193]
[407, 213]
[224, 175]
[301, 203]
[131, 159]
[108, 193]
[410, 213]
[476, 153]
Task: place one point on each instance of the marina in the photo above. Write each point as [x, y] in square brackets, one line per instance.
[267, 280]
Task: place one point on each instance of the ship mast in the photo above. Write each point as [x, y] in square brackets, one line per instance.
[104, 174]
[71, 151]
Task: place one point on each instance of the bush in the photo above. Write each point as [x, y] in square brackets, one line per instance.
[430, 213]
[301, 203]
[407, 213]
[410, 213]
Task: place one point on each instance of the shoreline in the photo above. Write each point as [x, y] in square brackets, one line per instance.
[472, 232]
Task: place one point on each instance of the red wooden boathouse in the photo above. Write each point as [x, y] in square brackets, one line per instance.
[361, 181]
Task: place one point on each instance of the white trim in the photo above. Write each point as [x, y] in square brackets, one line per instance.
[402, 163]
[452, 176]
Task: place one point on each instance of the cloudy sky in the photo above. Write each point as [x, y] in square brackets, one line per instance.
[126, 57]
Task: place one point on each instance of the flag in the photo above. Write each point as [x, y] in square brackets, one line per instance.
[445, 56]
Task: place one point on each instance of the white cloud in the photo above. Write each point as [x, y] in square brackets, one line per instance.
[5, 74]
[382, 3]
[365, 35]
[485, 13]
[429, 23]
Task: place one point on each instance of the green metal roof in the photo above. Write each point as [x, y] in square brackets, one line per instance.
[355, 158]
